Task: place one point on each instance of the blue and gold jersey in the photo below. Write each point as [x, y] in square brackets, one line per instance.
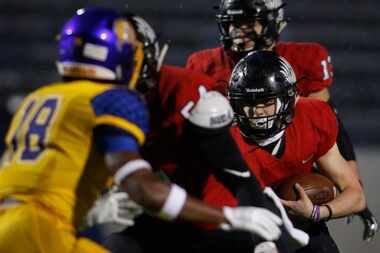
[57, 139]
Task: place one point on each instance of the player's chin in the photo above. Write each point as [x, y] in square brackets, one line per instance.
[258, 125]
[244, 45]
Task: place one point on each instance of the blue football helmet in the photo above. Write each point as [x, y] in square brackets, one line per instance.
[100, 44]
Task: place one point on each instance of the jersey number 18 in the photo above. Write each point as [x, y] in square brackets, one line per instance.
[30, 136]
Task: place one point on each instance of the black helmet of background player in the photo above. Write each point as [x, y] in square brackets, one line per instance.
[261, 80]
[239, 23]
[153, 56]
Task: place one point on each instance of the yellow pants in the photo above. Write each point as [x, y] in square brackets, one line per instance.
[26, 228]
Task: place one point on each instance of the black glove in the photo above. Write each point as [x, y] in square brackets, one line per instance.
[370, 224]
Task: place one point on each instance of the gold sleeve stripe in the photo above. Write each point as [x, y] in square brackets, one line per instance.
[123, 124]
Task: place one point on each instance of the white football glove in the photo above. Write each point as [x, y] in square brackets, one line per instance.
[114, 207]
[297, 234]
[256, 220]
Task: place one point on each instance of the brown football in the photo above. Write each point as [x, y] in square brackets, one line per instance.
[318, 188]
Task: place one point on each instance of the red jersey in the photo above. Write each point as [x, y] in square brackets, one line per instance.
[311, 134]
[310, 61]
[178, 91]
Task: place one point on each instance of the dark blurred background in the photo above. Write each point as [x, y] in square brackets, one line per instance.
[350, 30]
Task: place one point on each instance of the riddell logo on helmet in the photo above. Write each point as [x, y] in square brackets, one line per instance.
[255, 90]
[234, 12]
[220, 120]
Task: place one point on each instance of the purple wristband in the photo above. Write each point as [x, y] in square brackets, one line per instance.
[318, 213]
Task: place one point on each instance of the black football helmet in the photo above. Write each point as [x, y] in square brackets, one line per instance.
[269, 13]
[153, 56]
[260, 78]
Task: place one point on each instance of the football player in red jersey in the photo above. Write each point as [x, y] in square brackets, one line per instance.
[247, 25]
[187, 119]
[281, 135]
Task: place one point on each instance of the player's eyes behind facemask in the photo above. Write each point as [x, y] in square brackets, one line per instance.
[262, 114]
[244, 34]
[245, 29]
[244, 24]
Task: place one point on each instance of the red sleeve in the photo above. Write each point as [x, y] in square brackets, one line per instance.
[318, 70]
[325, 123]
[191, 62]
[180, 90]
[196, 62]
[312, 65]
[215, 63]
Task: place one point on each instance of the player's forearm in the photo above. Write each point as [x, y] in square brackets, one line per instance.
[198, 212]
[323, 95]
[147, 190]
[351, 200]
[355, 169]
[163, 199]
[169, 201]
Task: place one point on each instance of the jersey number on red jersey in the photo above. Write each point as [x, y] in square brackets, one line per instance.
[326, 65]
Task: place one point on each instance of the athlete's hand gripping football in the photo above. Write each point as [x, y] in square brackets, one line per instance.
[303, 206]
